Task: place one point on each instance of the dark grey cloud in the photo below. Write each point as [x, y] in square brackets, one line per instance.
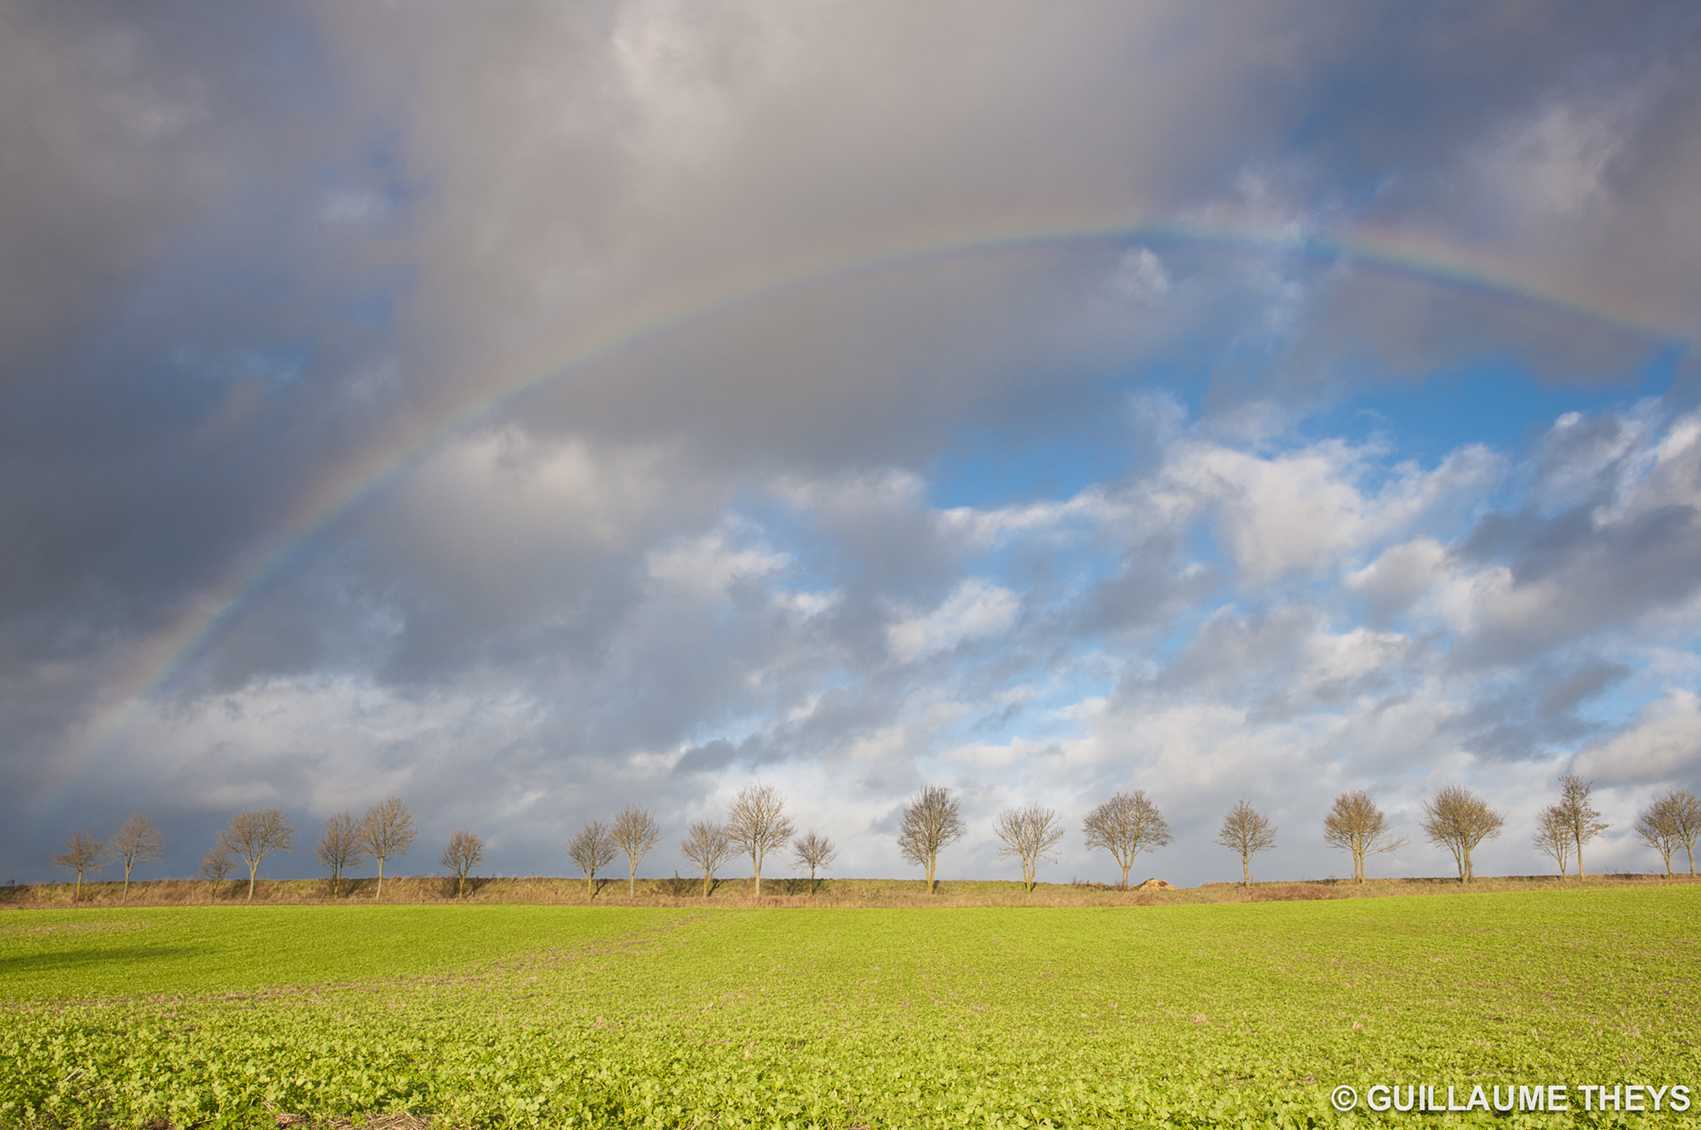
[1527, 717]
[1631, 549]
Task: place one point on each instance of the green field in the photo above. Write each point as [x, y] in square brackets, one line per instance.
[508, 1015]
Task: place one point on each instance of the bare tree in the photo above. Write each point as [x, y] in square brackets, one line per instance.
[386, 829]
[1553, 838]
[1030, 833]
[339, 848]
[1125, 825]
[136, 841]
[1654, 824]
[757, 823]
[1247, 832]
[461, 854]
[706, 844]
[255, 835]
[216, 866]
[1355, 824]
[1683, 812]
[815, 852]
[592, 848]
[1581, 819]
[82, 853]
[635, 833]
[1457, 819]
[930, 822]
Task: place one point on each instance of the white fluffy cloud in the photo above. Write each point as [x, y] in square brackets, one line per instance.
[975, 610]
[1306, 510]
[1662, 744]
[708, 564]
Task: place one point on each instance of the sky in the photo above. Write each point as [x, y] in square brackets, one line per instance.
[530, 409]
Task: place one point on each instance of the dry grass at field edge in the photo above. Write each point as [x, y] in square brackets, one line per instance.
[782, 892]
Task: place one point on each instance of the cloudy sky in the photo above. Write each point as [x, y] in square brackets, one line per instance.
[529, 409]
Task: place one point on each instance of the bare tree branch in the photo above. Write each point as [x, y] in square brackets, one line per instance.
[707, 846]
[635, 833]
[758, 824]
[339, 848]
[1125, 825]
[216, 866]
[1684, 813]
[136, 841]
[1031, 833]
[1459, 820]
[386, 829]
[1658, 830]
[1247, 832]
[1357, 825]
[929, 823]
[1552, 837]
[592, 848]
[255, 835]
[816, 852]
[461, 854]
[1580, 817]
[82, 853]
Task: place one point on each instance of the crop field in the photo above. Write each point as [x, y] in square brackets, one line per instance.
[558, 1016]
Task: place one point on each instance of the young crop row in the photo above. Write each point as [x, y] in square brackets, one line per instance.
[1188, 1016]
[238, 1069]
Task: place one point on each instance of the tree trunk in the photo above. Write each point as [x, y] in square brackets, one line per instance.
[380, 893]
[1581, 874]
[252, 868]
[631, 878]
[1246, 869]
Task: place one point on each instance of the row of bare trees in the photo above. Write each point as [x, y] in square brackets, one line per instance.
[757, 825]
[1125, 825]
[1672, 820]
[1459, 820]
[386, 830]
[136, 841]
[634, 831]
[1454, 818]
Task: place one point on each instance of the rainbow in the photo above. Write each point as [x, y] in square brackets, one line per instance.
[153, 668]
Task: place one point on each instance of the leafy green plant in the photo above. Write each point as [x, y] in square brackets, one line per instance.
[513, 1016]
